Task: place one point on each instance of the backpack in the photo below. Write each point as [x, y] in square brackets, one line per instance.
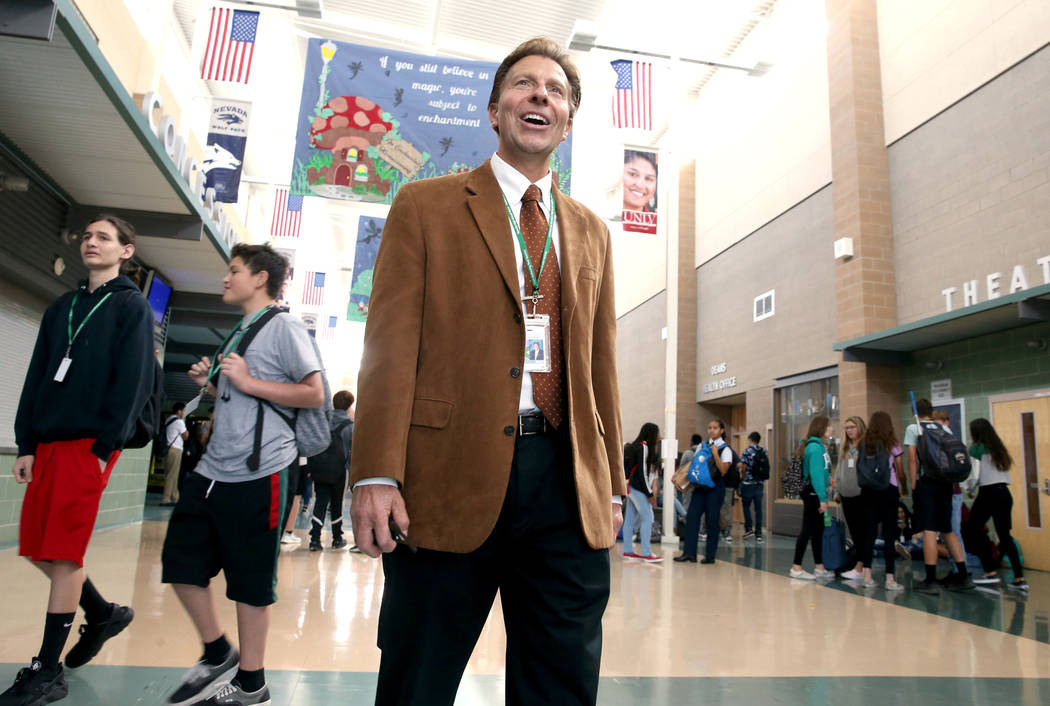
[942, 456]
[792, 480]
[699, 471]
[732, 474]
[160, 441]
[759, 464]
[312, 426]
[330, 465]
[873, 472]
[147, 423]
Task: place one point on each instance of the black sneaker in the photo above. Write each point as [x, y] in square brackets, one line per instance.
[749, 534]
[36, 685]
[233, 695]
[338, 543]
[94, 635]
[203, 679]
[931, 588]
[1018, 585]
[961, 583]
[315, 546]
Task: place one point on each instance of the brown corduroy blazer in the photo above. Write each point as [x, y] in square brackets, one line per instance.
[444, 344]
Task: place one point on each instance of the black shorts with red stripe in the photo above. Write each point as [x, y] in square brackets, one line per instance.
[234, 527]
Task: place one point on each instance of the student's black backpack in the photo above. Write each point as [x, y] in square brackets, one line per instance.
[732, 475]
[160, 439]
[330, 465]
[942, 455]
[760, 464]
[147, 423]
[873, 472]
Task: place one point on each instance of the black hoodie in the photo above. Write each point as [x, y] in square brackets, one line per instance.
[109, 380]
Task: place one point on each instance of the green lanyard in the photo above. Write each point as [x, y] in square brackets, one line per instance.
[533, 274]
[223, 349]
[69, 327]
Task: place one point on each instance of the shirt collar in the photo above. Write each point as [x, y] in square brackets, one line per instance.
[513, 183]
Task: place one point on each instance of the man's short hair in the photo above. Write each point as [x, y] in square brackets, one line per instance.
[695, 439]
[923, 407]
[178, 407]
[939, 415]
[344, 399]
[263, 257]
[546, 47]
[754, 437]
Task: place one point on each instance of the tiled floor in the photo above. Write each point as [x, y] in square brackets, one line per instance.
[739, 631]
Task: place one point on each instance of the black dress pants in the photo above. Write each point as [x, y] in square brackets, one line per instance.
[553, 589]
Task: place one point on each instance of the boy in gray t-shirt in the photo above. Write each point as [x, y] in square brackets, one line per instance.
[229, 512]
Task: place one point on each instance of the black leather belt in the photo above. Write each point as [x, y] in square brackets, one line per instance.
[531, 424]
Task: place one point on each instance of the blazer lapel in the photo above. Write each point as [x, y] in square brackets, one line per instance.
[571, 234]
[484, 200]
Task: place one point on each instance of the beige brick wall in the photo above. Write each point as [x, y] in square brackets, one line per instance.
[971, 192]
[640, 361]
[791, 255]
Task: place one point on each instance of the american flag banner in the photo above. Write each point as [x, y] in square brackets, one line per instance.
[231, 45]
[313, 289]
[287, 215]
[632, 104]
[327, 332]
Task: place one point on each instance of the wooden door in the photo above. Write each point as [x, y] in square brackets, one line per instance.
[1024, 427]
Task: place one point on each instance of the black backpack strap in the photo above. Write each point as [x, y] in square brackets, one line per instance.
[242, 347]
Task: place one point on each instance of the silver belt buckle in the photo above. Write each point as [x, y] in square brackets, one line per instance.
[521, 425]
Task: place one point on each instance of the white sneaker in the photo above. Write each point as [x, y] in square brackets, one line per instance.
[290, 538]
[892, 585]
[824, 574]
[868, 583]
[852, 575]
[802, 574]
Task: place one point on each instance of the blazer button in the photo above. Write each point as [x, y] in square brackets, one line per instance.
[509, 430]
[517, 318]
[515, 372]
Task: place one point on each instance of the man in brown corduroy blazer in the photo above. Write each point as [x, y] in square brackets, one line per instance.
[498, 489]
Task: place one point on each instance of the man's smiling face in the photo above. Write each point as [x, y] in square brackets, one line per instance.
[532, 115]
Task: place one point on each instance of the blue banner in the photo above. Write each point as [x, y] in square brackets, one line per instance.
[371, 120]
[224, 152]
[369, 233]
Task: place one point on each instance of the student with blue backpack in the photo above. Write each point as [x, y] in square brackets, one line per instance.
[707, 500]
[754, 467]
[264, 375]
[816, 465]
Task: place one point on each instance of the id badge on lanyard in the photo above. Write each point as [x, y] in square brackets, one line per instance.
[537, 343]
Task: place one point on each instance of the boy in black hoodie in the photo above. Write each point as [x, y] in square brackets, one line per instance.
[89, 377]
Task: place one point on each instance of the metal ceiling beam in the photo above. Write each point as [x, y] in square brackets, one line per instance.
[197, 301]
[147, 223]
[876, 356]
[223, 322]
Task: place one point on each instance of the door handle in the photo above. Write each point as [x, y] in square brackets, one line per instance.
[1046, 486]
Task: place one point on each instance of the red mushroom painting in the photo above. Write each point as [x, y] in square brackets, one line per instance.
[347, 126]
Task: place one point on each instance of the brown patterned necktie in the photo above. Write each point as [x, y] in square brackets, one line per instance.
[547, 388]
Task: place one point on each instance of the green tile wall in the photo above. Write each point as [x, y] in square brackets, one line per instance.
[980, 367]
[121, 502]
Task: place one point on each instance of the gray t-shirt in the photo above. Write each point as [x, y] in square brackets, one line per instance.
[281, 352]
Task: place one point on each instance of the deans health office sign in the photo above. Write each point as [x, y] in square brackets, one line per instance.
[371, 120]
[224, 153]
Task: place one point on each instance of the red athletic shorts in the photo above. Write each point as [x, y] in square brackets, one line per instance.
[61, 502]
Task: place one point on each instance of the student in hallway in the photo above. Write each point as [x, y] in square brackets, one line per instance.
[227, 518]
[816, 464]
[637, 461]
[329, 472]
[175, 433]
[754, 471]
[94, 355]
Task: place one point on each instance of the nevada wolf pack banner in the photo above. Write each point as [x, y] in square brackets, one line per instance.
[224, 153]
[369, 233]
[371, 120]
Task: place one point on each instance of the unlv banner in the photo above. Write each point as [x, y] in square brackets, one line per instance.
[371, 120]
[639, 190]
[224, 154]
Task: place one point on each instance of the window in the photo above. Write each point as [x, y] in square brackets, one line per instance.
[795, 406]
[764, 305]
